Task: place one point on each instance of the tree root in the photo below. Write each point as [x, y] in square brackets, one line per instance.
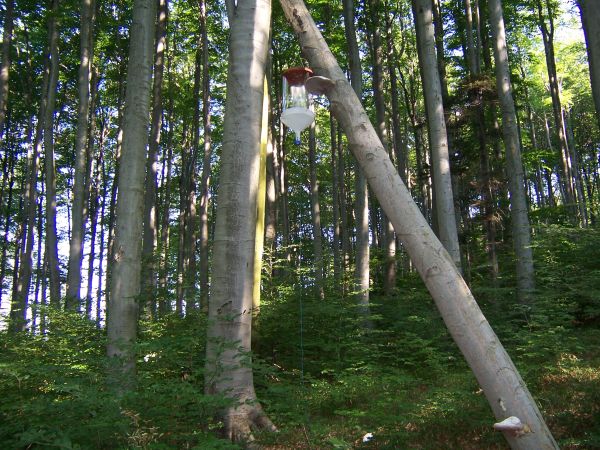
[242, 420]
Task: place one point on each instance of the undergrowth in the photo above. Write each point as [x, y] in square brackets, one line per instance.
[323, 379]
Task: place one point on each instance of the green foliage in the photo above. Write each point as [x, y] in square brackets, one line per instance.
[405, 381]
[54, 393]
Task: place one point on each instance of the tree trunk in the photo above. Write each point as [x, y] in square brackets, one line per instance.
[164, 301]
[203, 270]
[19, 303]
[519, 214]
[5, 66]
[149, 279]
[93, 216]
[335, 204]
[495, 372]
[361, 271]
[7, 224]
[590, 19]
[50, 171]
[261, 194]
[438, 137]
[228, 369]
[315, 210]
[125, 276]
[73, 296]
[388, 237]
[547, 30]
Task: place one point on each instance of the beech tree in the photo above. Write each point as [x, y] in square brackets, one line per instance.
[126, 265]
[228, 369]
[498, 377]
[514, 169]
[79, 212]
[438, 137]
[590, 19]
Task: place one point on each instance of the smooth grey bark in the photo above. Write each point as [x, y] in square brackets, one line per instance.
[164, 304]
[335, 204]
[203, 269]
[547, 29]
[126, 266]
[438, 137]
[52, 262]
[388, 239]
[581, 201]
[315, 210]
[514, 170]
[471, 58]
[73, 296]
[149, 269]
[590, 20]
[361, 205]
[228, 363]
[9, 174]
[498, 377]
[22, 279]
[7, 34]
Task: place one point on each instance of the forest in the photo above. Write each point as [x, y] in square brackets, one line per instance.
[417, 266]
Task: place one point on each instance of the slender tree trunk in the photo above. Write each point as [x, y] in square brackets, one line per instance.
[103, 183]
[335, 203]
[547, 30]
[315, 209]
[228, 371]
[6, 60]
[581, 201]
[438, 137]
[50, 171]
[7, 224]
[206, 162]
[519, 213]
[389, 239]
[125, 276]
[164, 303]
[93, 208]
[39, 269]
[73, 296]
[19, 304]
[361, 271]
[471, 58]
[590, 19]
[204, 200]
[149, 280]
[498, 377]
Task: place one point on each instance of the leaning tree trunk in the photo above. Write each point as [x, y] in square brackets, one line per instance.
[514, 170]
[493, 368]
[73, 300]
[590, 19]
[127, 252]
[228, 369]
[438, 137]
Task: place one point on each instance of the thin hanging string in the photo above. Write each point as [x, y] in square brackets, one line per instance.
[302, 371]
[301, 342]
